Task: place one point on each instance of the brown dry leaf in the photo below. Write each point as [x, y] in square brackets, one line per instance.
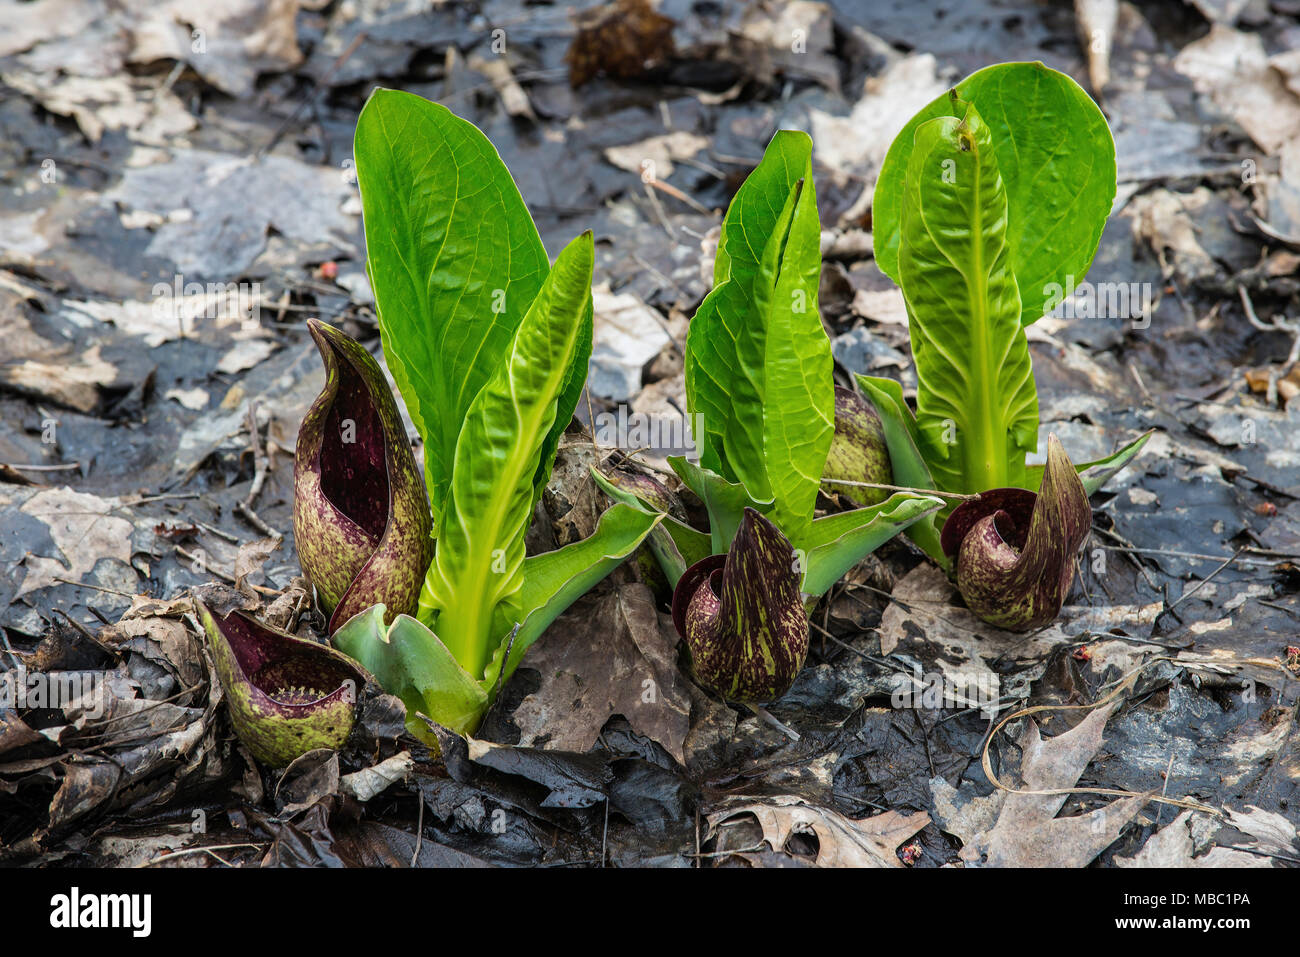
[1287, 388]
[627, 38]
[613, 655]
[1161, 219]
[83, 529]
[922, 621]
[842, 842]
[1027, 832]
[72, 382]
[250, 559]
[1177, 844]
[1232, 68]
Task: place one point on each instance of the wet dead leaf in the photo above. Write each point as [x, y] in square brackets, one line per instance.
[842, 842]
[84, 530]
[1027, 832]
[1183, 842]
[614, 655]
[627, 38]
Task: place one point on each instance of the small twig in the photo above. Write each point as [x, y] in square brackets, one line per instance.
[261, 464]
[107, 591]
[64, 467]
[206, 849]
[903, 488]
[505, 662]
[659, 212]
[771, 719]
[1278, 324]
[190, 556]
[676, 193]
[1197, 587]
[419, 827]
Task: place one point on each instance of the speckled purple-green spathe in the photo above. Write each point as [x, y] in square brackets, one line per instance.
[286, 696]
[742, 616]
[858, 452]
[361, 517]
[1015, 549]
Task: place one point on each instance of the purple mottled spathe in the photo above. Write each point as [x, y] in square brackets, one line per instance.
[360, 513]
[1015, 549]
[742, 616]
[858, 452]
[286, 696]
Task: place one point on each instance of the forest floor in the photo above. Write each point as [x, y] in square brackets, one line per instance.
[142, 455]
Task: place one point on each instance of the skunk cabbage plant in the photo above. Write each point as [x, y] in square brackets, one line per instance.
[761, 397]
[488, 343]
[990, 201]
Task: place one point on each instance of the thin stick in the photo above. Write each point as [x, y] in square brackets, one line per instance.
[903, 488]
[206, 849]
[311, 94]
[1197, 587]
[419, 828]
[65, 467]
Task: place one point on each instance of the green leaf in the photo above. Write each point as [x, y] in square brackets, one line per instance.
[725, 501]
[555, 580]
[477, 571]
[905, 458]
[676, 545]
[977, 408]
[835, 543]
[758, 361]
[409, 661]
[1057, 159]
[455, 261]
[1097, 473]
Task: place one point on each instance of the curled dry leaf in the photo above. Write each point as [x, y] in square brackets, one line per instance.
[842, 842]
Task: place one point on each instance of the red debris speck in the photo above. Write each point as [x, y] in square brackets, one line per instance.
[910, 854]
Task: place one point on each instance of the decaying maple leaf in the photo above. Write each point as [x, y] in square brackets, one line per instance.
[1026, 831]
[1193, 840]
[841, 841]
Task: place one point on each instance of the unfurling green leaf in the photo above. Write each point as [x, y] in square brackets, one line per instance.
[835, 543]
[758, 362]
[455, 262]
[1014, 549]
[742, 616]
[472, 587]
[1097, 473]
[409, 660]
[1056, 157]
[360, 514]
[977, 408]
